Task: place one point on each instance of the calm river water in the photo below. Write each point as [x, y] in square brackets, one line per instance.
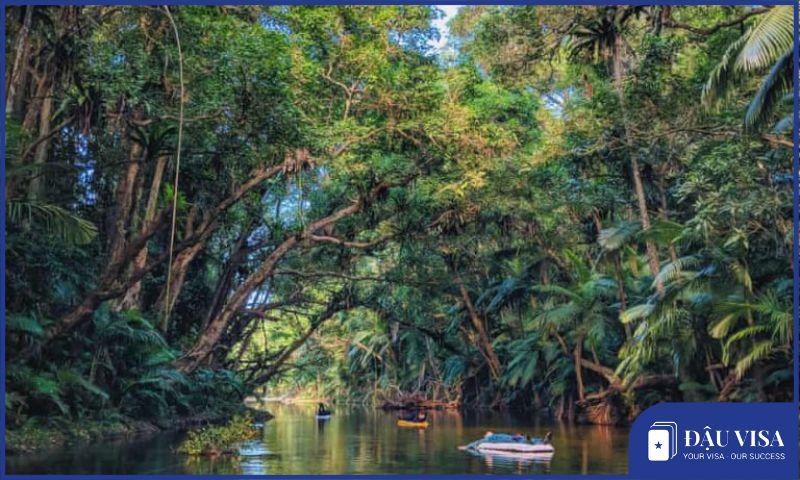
[353, 441]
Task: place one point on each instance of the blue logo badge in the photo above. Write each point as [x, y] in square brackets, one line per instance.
[715, 440]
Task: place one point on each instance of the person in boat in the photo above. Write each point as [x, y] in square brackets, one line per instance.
[415, 416]
[540, 441]
[323, 410]
[517, 438]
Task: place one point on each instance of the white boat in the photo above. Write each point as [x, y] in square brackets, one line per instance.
[504, 444]
[496, 447]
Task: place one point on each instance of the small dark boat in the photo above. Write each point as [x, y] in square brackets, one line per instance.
[323, 413]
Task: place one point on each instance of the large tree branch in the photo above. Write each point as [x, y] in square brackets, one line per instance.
[347, 243]
[205, 343]
[604, 371]
[711, 30]
[338, 303]
[53, 131]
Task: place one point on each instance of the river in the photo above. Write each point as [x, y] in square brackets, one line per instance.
[353, 441]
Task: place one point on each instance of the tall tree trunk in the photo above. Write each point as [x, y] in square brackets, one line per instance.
[180, 267]
[40, 85]
[131, 298]
[621, 294]
[485, 343]
[226, 277]
[124, 203]
[41, 150]
[113, 283]
[15, 77]
[641, 198]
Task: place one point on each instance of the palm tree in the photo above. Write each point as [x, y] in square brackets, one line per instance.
[580, 315]
[602, 37]
[666, 333]
[767, 44]
[752, 330]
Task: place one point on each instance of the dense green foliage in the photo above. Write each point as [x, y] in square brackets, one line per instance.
[586, 209]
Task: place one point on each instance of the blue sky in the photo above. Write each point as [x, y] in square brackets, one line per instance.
[441, 24]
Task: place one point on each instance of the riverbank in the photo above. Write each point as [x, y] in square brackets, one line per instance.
[355, 441]
[35, 437]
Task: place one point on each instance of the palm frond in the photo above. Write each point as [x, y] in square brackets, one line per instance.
[25, 324]
[68, 377]
[637, 312]
[556, 290]
[772, 89]
[746, 333]
[784, 125]
[723, 76]
[768, 43]
[721, 327]
[613, 238]
[663, 232]
[57, 221]
[759, 351]
[673, 270]
[768, 40]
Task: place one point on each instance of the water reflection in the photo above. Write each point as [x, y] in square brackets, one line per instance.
[519, 462]
[353, 441]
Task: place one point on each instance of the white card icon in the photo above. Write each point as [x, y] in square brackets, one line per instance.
[658, 445]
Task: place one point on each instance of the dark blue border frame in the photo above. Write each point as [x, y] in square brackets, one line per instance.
[388, 2]
[796, 178]
[795, 231]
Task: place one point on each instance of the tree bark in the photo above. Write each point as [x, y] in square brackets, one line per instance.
[180, 266]
[20, 52]
[105, 290]
[182, 261]
[621, 294]
[226, 277]
[41, 82]
[40, 153]
[485, 345]
[130, 299]
[113, 283]
[124, 204]
[641, 199]
[215, 328]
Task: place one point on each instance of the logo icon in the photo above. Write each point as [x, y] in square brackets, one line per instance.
[662, 441]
